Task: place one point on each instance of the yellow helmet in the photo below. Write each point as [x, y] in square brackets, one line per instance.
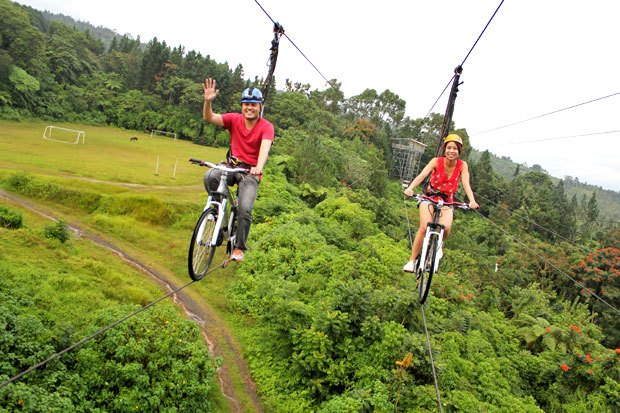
[453, 137]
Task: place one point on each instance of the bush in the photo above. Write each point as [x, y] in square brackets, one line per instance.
[57, 230]
[10, 219]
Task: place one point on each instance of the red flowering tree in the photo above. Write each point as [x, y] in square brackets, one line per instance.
[599, 273]
[364, 129]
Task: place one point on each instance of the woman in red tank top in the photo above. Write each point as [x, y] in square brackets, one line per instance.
[446, 171]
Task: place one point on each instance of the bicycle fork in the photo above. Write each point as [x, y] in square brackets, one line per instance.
[431, 230]
[221, 206]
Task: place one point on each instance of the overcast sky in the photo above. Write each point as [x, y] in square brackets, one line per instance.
[535, 57]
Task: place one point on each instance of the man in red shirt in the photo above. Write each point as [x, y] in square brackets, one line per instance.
[251, 137]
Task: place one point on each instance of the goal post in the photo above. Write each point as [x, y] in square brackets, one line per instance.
[64, 135]
[163, 132]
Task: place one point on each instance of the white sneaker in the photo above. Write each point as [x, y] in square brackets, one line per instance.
[409, 267]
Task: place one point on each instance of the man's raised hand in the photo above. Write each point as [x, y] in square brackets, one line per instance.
[209, 89]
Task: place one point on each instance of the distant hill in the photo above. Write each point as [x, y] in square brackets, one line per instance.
[608, 201]
[106, 35]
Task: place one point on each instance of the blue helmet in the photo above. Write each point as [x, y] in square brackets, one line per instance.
[252, 94]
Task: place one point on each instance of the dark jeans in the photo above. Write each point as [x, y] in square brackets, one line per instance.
[246, 195]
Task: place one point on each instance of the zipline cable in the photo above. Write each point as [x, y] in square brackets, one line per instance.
[546, 114]
[430, 354]
[556, 138]
[440, 95]
[464, 60]
[79, 343]
[298, 49]
[483, 30]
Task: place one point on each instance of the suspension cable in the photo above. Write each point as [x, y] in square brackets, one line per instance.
[298, 49]
[485, 27]
[440, 95]
[556, 138]
[546, 114]
[430, 354]
[103, 330]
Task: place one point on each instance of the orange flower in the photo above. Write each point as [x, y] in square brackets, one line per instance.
[588, 358]
[590, 371]
[618, 350]
[565, 367]
[547, 328]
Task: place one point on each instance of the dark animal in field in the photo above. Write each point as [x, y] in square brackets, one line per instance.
[133, 138]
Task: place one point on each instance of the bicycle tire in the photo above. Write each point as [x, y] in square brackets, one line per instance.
[428, 269]
[200, 250]
[232, 236]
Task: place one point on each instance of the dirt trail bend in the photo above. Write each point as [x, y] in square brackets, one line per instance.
[213, 328]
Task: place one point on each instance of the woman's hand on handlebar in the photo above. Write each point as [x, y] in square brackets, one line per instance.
[474, 205]
[408, 192]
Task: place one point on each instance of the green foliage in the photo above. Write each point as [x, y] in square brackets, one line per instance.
[57, 230]
[154, 362]
[10, 219]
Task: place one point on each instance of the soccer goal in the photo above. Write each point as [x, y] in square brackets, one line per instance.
[162, 132]
[64, 135]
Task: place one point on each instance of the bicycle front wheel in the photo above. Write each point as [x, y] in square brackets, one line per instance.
[428, 268]
[201, 249]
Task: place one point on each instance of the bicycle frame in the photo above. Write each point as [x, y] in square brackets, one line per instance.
[434, 228]
[225, 196]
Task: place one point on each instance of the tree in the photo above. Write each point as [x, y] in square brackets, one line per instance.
[24, 42]
[599, 272]
[155, 56]
[486, 183]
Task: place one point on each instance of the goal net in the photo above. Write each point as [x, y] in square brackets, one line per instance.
[64, 135]
[162, 132]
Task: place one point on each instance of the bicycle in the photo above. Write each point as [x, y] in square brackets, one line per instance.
[209, 232]
[427, 262]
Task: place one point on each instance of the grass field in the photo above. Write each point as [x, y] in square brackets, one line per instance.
[108, 154]
[109, 185]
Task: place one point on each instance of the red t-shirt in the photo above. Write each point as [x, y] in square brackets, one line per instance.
[244, 143]
[442, 183]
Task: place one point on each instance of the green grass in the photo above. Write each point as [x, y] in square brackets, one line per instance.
[152, 220]
[107, 155]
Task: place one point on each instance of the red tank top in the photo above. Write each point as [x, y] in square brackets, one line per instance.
[440, 182]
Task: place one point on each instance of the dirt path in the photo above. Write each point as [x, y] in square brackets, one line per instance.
[213, 329]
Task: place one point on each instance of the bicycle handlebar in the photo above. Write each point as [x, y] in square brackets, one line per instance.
[218, 166]
[421, 197]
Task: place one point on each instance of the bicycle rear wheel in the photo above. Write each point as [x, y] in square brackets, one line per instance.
[428, 268]
[200, 250]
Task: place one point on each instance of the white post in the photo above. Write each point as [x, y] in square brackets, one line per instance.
[175, 169]
[157, 167]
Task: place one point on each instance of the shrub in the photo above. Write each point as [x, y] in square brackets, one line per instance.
[10, 219]
[57, 230]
